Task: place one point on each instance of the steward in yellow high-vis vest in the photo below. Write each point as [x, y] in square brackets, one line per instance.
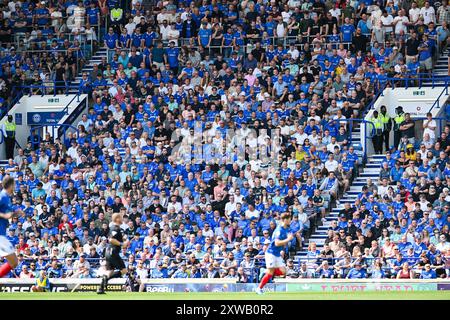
[377, 138]
[9, 133]
[116, 18]
[398, 119]
[387, 126]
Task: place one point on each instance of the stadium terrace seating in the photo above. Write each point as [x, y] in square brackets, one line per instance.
[208, 120]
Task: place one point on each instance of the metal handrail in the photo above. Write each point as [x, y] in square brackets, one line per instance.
[420, 78]
[43, 88]
[437, 102]
[362, 121]
[273, 40]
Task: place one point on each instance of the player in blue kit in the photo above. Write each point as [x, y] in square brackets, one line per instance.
[6, 213]
[274, 263]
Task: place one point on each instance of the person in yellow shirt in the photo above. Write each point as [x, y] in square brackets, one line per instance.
[42, 283]
[300, 153]
[411, 153]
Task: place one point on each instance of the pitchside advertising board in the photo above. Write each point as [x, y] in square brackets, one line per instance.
[152, 286]
[58, 287]
[361, 287]
[213, 287]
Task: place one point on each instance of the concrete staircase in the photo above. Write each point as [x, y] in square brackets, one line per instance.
[440, 70]
[370, 169]
[88, 67]
[441, 66]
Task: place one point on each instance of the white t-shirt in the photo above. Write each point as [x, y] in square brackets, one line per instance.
[286, 16]
[294, 3]
[316, 118]
[173, 34]
[336, 12]
[331, 165]
[52, 168]
[431, 132]
[400, 24]
[294, 53]
[250, 214]
[428, 15]
[387, 21]
[281, 30]
[229, 207]
[382, 190]
[414, 14]
[130, 28]
[55, 15]
[330, 147]
[164, 32]
[422, 154]
[300, 137]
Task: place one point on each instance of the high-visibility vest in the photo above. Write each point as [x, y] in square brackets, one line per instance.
[377, 122]
[42, 282]
[385, 120]
[116, 13]
[10, 128]
[398, 120]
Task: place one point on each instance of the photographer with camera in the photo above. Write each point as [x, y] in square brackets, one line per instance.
[133, 284]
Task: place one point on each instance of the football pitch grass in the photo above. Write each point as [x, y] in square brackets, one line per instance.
[392, 295]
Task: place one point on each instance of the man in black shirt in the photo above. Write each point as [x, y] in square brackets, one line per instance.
[216, 13]
[129, 115]
[412, 45]
[377, 229]
[363, 211]
[316, 26]
[161, 134]
[253, 32]
[407, 128]
[347, 211]
[359, 41]
[319, 7]
[329, 22]
[258, 52]
[105, 113]
[115, 267]
[61, 69]
[251, 15]
[351, 229]
[443, 141]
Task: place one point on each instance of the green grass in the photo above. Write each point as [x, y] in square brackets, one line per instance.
[418, 295]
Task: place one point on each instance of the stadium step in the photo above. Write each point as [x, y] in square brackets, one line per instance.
[88, 67]
[370, 170]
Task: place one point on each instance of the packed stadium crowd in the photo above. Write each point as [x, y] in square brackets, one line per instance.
[208, 120]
